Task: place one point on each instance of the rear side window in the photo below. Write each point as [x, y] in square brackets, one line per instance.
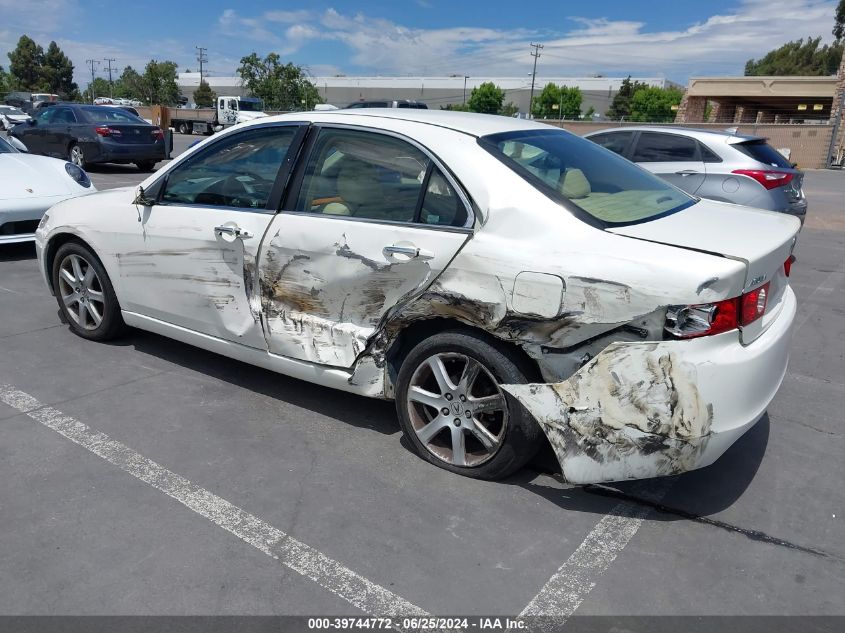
[653, 147]
[614, 141]
[707, 155]
[762, 152]
[377, 177]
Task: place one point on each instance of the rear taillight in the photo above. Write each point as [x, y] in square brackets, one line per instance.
[158, 135]
[787, 265]
[104, 130]
[768, 178]
[708, 319]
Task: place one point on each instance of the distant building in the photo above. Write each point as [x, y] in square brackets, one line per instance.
[436, 91]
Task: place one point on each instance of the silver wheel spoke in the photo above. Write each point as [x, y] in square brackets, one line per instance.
[96, 295]
[70, 299]
[427, 433]
[488, 404]
[83, 315]
[471, 372]
[484, 436]
[90, 275]
[459, 450]
[418, 394]
[438, 370]
[95, 314]
[67, 276]
[77, 269]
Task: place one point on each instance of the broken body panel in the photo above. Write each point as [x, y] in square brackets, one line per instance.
[319, 298]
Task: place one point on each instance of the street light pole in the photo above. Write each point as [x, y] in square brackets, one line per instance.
[465, 88]
[535, 54]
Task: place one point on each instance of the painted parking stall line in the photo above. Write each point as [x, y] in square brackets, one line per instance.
[569, 586]
[330, 574]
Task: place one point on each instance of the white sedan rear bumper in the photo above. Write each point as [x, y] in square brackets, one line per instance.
[649, 409]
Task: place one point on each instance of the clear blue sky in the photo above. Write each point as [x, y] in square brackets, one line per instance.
[676, 39]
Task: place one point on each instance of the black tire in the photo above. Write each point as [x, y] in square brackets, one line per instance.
[519, 435]
[146, 165]
[111, 322]
[183, 128]
[76, 155]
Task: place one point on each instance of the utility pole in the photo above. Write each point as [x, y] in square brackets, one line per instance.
[465, 88]
[535, 54]
[201, 57]
[111, 84]
[92, 63]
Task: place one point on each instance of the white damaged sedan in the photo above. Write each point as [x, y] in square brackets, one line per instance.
[29, 185]
[505, 282]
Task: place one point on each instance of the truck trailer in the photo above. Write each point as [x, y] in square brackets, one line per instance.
[228, 111]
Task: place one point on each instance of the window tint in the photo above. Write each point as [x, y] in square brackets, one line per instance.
[238, 171]
[763, 152]
[708, 155]
[653, 147]
[441, 205]
[363, 175]
[599, 183]
[63, 115]
[614, 141]
[46, 116]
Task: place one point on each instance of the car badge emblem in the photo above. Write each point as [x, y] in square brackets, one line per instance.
[456, 408]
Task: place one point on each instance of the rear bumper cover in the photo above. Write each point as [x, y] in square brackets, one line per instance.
[650, 409]
[108, 152]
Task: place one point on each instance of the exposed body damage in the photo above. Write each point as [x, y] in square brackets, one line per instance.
[633, 411]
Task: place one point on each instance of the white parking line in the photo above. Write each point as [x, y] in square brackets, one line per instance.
[567, 588]
[371, 598]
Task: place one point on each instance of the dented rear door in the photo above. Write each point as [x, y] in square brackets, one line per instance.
[369, 225]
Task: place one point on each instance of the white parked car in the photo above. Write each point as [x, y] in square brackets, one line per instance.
[11, 116]
[502, 280]
[29, 185]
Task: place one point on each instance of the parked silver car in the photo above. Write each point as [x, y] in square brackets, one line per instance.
[715, 165]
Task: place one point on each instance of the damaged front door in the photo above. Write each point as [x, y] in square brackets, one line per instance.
[374, 222]
[194, 265]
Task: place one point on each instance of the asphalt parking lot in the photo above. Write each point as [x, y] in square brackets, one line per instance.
[149, 477]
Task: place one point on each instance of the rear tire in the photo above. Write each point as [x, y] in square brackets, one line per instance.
[76, 156]
[146, 165]
[454, 413]
[85, 295]
[183, 128]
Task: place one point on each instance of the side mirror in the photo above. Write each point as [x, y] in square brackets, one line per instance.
[17, 144]
[142, 199]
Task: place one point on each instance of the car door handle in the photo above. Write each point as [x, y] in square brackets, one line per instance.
[234, 231]
[412, 252]
[687, 172]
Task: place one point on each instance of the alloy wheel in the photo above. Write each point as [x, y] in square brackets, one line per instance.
[76, 156]
[457, 410]
[82, 292]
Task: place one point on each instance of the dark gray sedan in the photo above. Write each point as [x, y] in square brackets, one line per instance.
[88, 134]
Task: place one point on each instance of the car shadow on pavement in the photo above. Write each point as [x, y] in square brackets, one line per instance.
[375, 415]
[17, 252]
[699, 493]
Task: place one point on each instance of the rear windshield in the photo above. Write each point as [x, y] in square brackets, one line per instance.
[597, 181]
[763, 152]
[105, 114]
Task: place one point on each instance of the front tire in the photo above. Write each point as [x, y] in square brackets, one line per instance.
[183, 128]
[453, 411]
[146, 165]
[85, 294]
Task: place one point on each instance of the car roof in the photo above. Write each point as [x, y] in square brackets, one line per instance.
[466, 122]
[699, 133]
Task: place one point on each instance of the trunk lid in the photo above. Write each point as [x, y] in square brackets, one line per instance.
[132, 134]
[762, 240]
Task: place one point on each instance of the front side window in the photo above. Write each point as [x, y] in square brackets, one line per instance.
[64, 115]
[614, 141]
[363, 175]
[599, 183]
[653, 147]
[237, 171]
[45, 117]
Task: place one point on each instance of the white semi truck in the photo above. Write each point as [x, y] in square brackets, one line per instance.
[229, 111]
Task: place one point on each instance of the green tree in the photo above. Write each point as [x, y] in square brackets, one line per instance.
[97, 88]
[455, 107]
[57, 72]
[798, 58]
[655, 104]
[509, 109]
[25, 65]
[4, 81]
[620, 107]
[280, 86]
[158, 83]
[588, 115]
[204, 96]
[558, 102]
[839, 21]
[129, 85]
[486, 98]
